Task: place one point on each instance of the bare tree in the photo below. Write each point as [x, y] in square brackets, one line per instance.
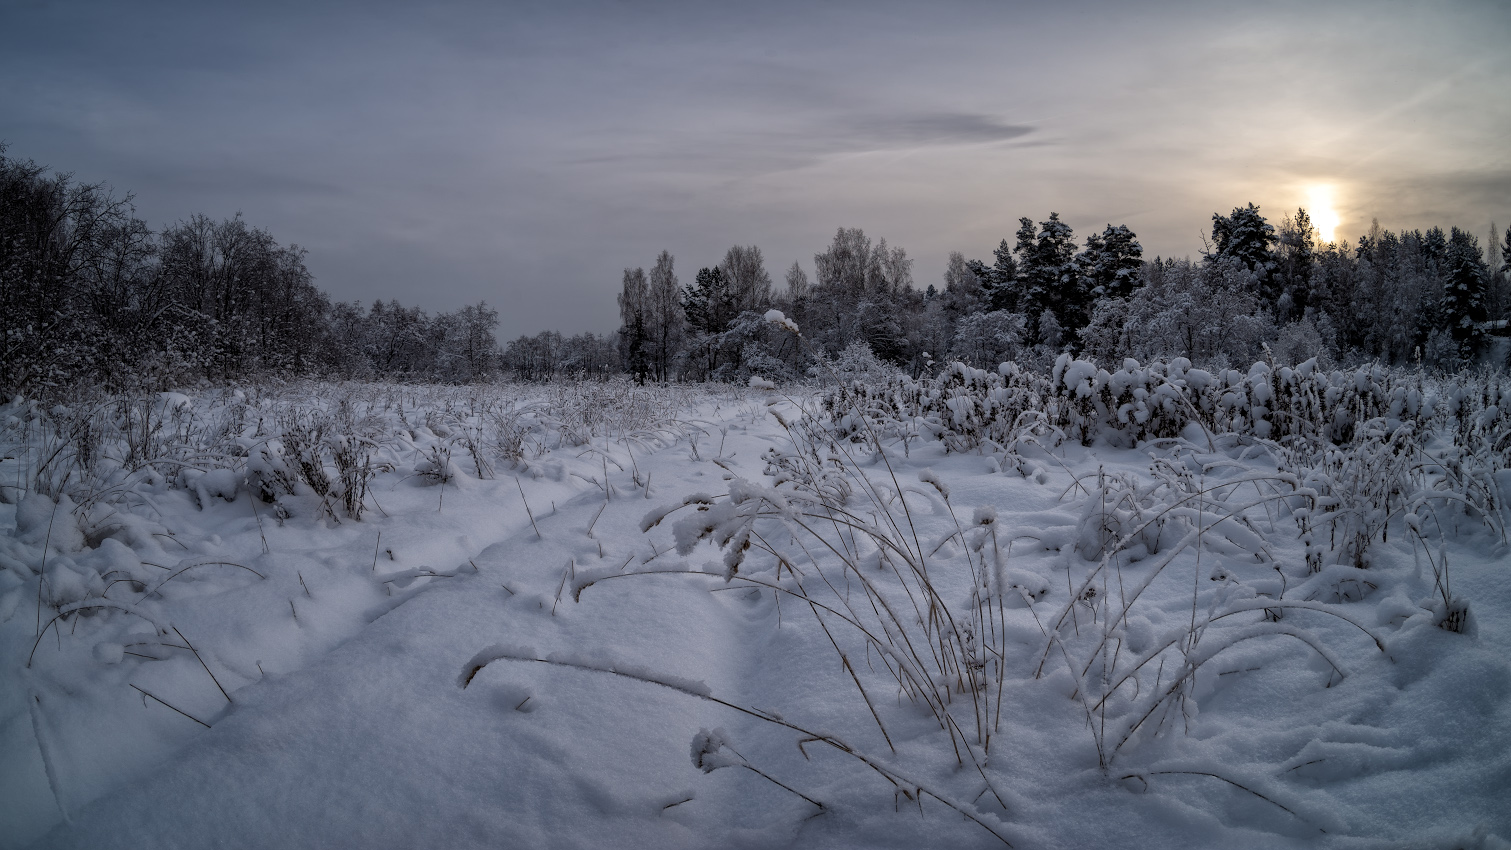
[842, 268]
[797, 283]
[634, 322]
[665, 321]
[469, 351]
[896, 268]
[745, 272]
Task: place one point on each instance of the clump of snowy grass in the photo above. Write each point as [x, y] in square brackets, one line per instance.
[328, 453]
[967, 407]
[1133, 682]
[846, 529]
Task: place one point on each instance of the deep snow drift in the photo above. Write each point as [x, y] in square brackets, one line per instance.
[598, 615]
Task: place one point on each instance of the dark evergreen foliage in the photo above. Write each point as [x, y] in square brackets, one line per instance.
[1049, 279]
[1247, 238]
[1465, 287]
[1294, 261]
[1112, 263]
[998, 281]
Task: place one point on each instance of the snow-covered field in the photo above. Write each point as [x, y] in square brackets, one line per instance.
[598, 615]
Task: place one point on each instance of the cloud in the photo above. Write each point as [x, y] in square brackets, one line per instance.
[731, 150]
[228, 179]
[921, 130]
[1468, 198]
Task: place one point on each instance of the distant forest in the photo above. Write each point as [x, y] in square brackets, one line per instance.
[1259, 290]
[90, 295]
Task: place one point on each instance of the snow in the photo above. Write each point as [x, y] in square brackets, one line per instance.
[777, 317]
[517, 651]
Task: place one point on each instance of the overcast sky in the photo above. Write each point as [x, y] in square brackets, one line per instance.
[525, 153]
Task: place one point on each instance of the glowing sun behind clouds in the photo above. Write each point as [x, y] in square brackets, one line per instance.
[1324, 217]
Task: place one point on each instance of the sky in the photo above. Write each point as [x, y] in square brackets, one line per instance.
[526, 153]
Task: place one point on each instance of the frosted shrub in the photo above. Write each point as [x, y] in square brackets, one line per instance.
[855, 365]
[968, 407]
[964, 407]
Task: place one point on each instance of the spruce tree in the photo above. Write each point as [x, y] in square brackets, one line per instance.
[1295, 260]
[705, 302]
[999, 281]
[1048, 276]
[1112, 262]
[1245, 237]
[1466, 282]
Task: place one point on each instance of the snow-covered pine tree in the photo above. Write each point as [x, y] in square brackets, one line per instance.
[706, 302]
[1048, 277]
[1465, 284]
[1295, 257]
[709, 306]
[1112, 263]
[1246, 237]
[999, 281]
[1425, 255]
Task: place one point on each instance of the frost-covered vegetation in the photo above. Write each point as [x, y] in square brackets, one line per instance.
[1042, 607]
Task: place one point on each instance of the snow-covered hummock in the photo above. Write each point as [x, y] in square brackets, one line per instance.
[468, 667]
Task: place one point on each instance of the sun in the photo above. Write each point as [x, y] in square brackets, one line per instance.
[1324, 217]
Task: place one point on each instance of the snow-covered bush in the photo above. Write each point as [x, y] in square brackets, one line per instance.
[855, 365]
[988, 338]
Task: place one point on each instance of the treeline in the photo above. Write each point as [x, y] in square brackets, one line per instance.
[1429, 297]
[90, 295]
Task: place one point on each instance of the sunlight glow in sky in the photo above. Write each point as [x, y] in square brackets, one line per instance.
[527, 152]
[1320, 207]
